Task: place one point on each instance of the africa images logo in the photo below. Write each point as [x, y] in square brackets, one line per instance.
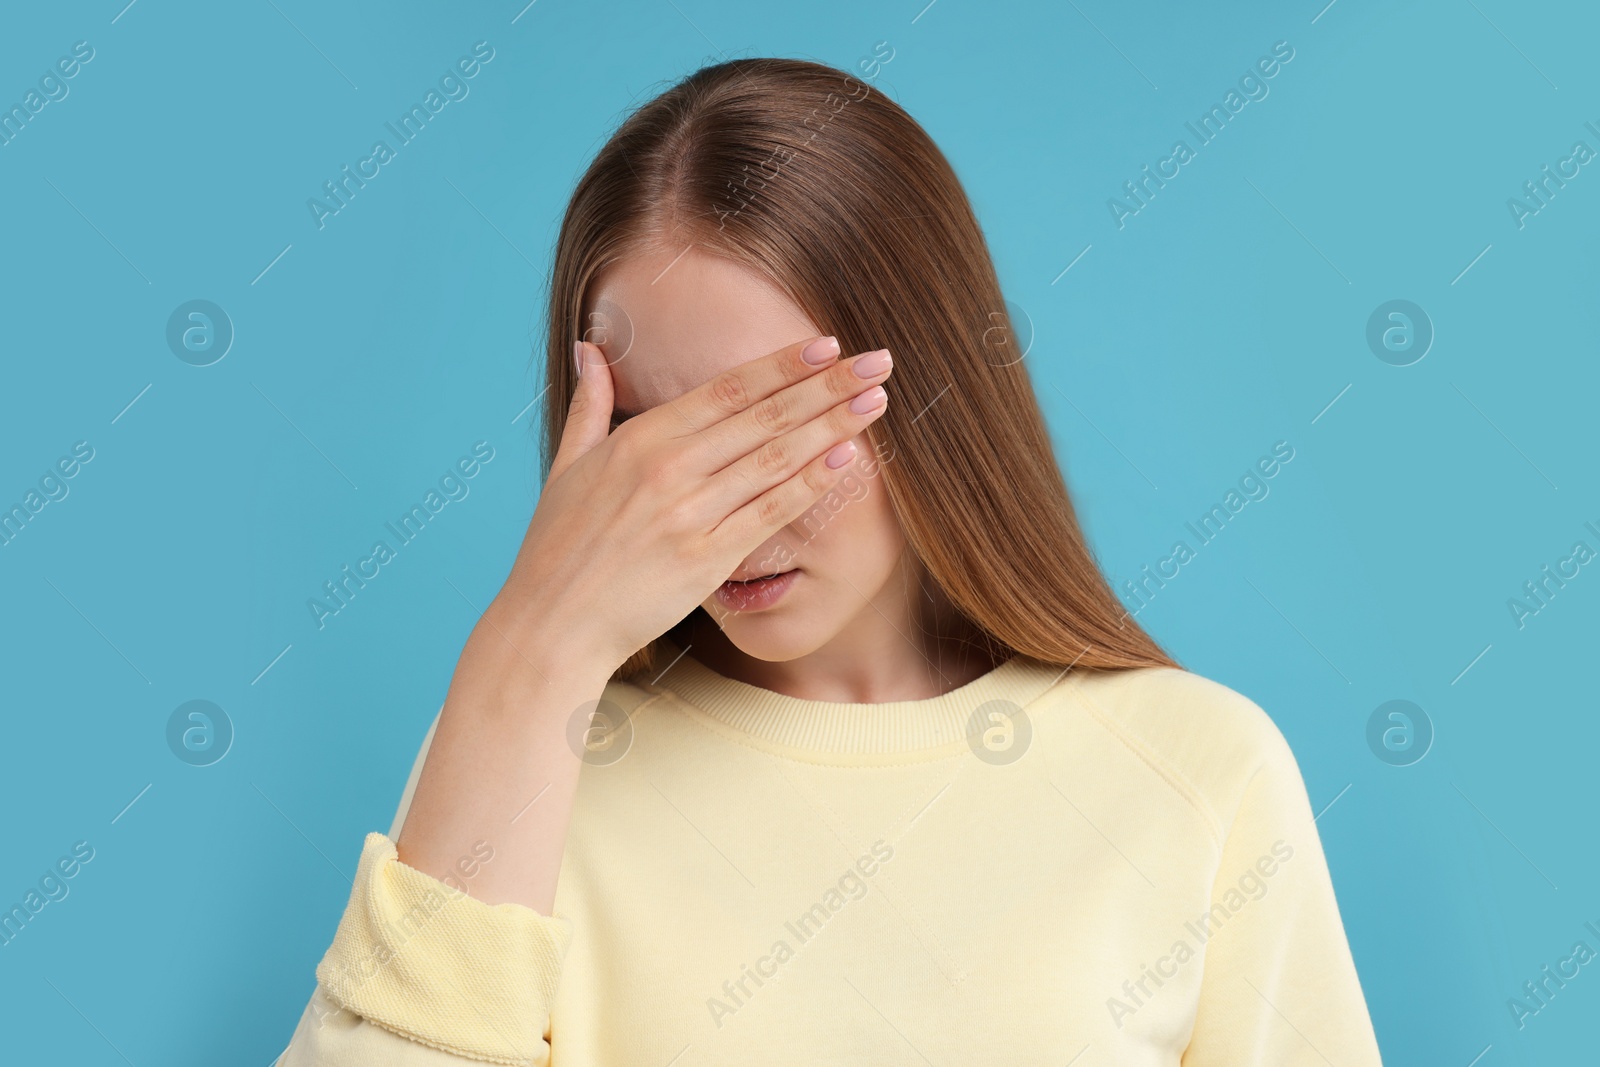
[452, 87]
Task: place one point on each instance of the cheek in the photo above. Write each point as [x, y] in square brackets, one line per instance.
[853, 531]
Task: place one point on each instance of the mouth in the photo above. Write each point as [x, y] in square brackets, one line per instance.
[755, 594]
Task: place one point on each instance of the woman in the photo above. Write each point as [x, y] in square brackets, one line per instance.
[875, 768]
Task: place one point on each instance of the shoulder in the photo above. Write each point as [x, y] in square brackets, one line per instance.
[1209, 741]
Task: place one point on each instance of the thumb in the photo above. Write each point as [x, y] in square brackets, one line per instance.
[589, 415]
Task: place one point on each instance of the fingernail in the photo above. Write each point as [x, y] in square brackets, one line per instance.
[840, 454]
[577, 357]
[873, 363]
[821, 350]
[870, 400]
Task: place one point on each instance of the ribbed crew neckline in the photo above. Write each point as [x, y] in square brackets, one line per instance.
[896, 727]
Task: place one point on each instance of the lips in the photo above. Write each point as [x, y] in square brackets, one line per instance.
[752, 576]
[757, 593]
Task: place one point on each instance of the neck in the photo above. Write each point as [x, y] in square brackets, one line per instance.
[908, 643]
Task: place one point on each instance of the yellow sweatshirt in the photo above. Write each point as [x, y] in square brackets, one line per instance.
[1090, 868]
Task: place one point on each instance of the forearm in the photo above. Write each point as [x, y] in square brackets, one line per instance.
[500, 769]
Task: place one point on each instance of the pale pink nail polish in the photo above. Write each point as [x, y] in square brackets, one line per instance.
[870, 400]
[821, 350]
[873, 363]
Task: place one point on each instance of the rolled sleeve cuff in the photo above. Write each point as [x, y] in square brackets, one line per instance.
[431, 963]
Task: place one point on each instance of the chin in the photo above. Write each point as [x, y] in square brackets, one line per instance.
[775, 635]
[770, 643]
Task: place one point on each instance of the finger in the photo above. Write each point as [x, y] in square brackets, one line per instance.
[736, 389]
[777, 507]
[778, 459]
[769, 440]
[589, 414]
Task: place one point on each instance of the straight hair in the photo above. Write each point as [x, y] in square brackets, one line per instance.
[818, 181]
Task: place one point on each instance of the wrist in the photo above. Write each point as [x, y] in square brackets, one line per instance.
[552, 644]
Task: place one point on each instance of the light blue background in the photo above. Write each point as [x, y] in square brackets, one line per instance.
[1224, 317]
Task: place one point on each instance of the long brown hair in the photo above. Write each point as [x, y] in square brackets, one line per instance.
[821, 183]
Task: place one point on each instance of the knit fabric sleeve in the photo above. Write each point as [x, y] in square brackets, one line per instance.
[424, 964]
[420, 974]
[1279, 985]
